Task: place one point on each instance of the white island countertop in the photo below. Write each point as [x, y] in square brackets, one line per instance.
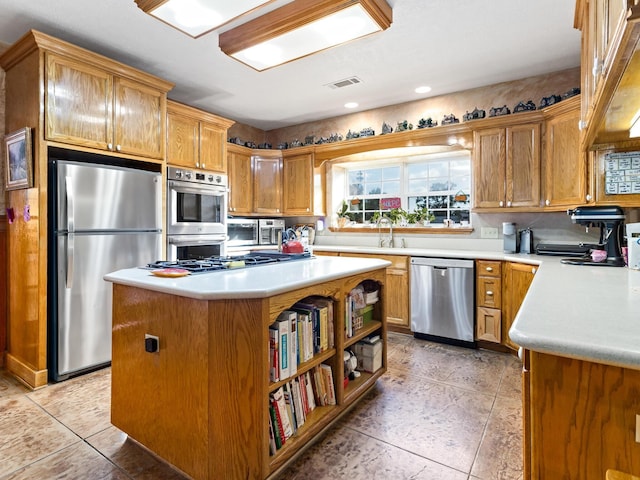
[585, 312]
[251, 282]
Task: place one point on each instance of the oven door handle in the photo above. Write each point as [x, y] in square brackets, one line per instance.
[185, 188]
[181, 240]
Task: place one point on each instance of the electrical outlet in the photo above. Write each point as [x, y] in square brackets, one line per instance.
[488, 232]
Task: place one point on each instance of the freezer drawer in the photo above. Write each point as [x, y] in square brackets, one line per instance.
[442, 299]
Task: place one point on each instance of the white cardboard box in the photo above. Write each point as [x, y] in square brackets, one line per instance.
[369, 356]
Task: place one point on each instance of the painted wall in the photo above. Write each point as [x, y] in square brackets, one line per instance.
[484, 98]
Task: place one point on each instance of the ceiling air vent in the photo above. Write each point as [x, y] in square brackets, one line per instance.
[344, 83]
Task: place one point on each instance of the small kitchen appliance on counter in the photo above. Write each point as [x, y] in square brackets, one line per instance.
[526, 241]
[610, 220]
[510, 237]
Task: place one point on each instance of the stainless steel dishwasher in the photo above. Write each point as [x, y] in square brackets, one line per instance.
[442, 300]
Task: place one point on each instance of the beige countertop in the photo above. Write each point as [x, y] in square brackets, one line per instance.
[586, 312]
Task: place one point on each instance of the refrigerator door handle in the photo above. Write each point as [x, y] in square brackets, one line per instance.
[70, 207]
[70, 229]
[70, 252]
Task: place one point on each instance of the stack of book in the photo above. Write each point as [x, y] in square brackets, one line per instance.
[291, 403]
[355, 305]
[298, 334]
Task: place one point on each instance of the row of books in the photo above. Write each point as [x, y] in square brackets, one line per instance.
[353, 317]
[291, 403]
[298, 334]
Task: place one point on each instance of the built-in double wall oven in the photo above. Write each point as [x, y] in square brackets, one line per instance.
[196, 214]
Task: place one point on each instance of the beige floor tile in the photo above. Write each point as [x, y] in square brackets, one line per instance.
[131, 457]
[500, 453]
[345, 453]
[10, 386]
[439, 422]
[28, 434]
[78, 461]
[83, 404]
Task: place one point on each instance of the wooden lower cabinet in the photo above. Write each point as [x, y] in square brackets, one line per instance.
[397, 279]
[580, 418]
[489, 300]
[516, 279]
[201, 402]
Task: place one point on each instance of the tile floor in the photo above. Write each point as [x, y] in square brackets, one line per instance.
[440, 412]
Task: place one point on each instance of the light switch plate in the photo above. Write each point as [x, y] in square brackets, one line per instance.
[488, 232]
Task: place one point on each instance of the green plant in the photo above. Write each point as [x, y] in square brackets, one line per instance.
[396, 215]
[343, 211]
[375, 217]
[423, 214]
[412, 217]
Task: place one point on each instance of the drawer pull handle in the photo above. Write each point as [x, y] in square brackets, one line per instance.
[489, 269]
[489, 293]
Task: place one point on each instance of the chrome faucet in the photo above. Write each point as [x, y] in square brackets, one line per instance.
[389, 240]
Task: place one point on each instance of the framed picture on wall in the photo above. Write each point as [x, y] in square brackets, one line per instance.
[19, 160]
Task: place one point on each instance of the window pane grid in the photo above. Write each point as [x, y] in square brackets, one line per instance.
[443, 185]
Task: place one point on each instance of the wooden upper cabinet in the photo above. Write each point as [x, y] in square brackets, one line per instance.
[79, 103]
[565, 165]
[90, 106]
[297, 185]
[303, 184]
[196, 139]
[139, 119]
[506, 163]
[182, 140]
[267, 183]
[523, 166]
[240, 180]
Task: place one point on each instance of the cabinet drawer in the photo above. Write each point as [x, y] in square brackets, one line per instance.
[489, 292]
[488, 268]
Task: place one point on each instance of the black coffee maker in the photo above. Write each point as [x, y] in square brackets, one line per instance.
[610, 221]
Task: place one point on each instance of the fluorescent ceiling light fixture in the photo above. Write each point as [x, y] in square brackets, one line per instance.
[197, 17]
[423, 89]
[301, 28]
[350, 105]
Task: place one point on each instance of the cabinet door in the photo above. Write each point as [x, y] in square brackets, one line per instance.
[489, 167]
[267, 185]
[488, 326]
[516, 282]
[139, 119]
[182, 140]
[240, 182]
[397, 298]
[523, 166]
[565, 164]
[297, 175]
[212, 147]
[79, 101]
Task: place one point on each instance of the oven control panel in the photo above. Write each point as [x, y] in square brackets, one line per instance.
[196, 176]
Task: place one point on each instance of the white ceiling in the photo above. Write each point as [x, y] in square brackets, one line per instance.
[450, 45]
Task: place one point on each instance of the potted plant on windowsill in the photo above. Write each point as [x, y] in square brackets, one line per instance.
[423, 216]
[343, 214]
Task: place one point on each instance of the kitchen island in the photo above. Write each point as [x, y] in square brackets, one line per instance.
[199, 398]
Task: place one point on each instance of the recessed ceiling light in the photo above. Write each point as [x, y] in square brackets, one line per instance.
[350, 105]
[423, 89]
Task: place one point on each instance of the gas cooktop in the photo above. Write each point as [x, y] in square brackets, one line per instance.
[211, 264]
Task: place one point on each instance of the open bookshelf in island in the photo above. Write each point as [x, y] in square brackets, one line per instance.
[211, 399]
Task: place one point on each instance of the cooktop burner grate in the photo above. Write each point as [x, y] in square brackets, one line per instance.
[211, 264]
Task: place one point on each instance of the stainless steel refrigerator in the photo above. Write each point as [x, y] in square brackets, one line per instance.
[103, 218]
